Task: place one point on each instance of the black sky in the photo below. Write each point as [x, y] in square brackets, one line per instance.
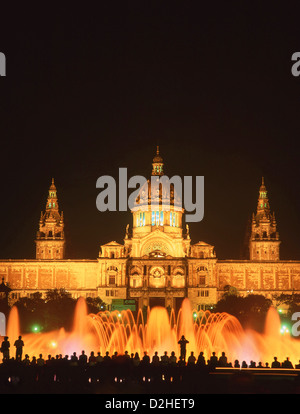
[92, 89]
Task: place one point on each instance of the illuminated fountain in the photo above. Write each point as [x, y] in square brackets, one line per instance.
[120, 331]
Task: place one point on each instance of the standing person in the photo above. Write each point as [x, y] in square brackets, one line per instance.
[155, 359]
[19, 348]
[5, 348]
[173, 359]
[192, 359]
[82, 359]
[213, 361]
[182, 342]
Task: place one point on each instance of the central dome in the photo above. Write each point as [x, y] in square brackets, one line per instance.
[157, 193]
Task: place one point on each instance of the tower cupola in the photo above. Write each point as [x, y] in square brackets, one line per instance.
[50, 239]
[264, 240]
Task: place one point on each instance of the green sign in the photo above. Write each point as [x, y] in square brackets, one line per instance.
[123, 304]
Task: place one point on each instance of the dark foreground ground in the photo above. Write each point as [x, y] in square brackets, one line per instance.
[78, 380]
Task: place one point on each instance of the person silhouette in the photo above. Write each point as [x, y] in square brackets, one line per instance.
[213, 361]
[287, 364]
[275, 363]
[74, 360]
[26, 360]
[92, 359]
[222, 360]
[182, 342]
[146, 359]
[201, 360]
[99, 358]
[191, 360]
[173, 359]
[164, 359]
[82, 359]
[40, 361]
[5, 349]
[155, 359]
[260, 365]
[19, 348]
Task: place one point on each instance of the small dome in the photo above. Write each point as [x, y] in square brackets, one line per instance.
[157, 158]
[52, 186]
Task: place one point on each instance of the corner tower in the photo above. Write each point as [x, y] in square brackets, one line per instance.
[264, 239]
[50, 239]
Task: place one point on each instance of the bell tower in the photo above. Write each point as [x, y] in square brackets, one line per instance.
[50, 239]
[264, 239]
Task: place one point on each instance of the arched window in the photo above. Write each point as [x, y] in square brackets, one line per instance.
[136, 280]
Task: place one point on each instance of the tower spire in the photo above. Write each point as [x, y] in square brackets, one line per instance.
[264, 240]
[50, 240]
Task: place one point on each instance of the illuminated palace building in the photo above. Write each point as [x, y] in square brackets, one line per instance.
[157, 264]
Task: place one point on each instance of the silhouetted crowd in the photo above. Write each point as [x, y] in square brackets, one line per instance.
[115, 368]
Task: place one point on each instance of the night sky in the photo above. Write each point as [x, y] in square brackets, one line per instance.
[89, 90]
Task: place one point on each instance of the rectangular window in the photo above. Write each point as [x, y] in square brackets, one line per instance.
[111, 293]
[173, 219]
[112, 279]
[202, 280]
[140, 220]
[153, 218]
[161, 218]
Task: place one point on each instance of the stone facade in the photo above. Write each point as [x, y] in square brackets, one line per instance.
[156, 264]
